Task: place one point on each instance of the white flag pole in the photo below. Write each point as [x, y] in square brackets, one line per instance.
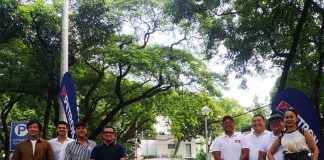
[64, 50]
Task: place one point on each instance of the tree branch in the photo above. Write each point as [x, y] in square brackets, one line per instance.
[150, 29]
[92, 67]
[4, 115]
[135, 87]
[276, 52]
[229, 13]
[317, 8]
[178, 42]
[294, 45]
[119, 79]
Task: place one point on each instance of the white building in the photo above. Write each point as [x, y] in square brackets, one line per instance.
[164, 146]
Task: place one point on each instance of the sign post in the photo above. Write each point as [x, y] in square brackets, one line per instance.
[18, 133]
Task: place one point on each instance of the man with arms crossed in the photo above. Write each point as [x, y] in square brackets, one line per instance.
[34, 148]
[109, 149]
[231, 145]
[254, 138]
[277, 126]
[60, 142]
[81, 148]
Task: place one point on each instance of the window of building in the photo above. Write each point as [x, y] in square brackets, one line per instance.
[171, 146]
[188, 150]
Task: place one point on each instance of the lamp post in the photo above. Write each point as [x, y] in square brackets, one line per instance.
[205, 111]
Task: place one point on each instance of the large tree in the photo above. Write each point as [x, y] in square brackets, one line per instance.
[152, 70]
[286, 33]
[113, 72]
[123, 68]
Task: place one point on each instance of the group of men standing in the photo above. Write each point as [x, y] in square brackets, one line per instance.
[65, 148]
[253, 146]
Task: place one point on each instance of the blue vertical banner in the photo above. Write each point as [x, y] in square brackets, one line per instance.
[294, 98]
[18, 133]
[68, 99]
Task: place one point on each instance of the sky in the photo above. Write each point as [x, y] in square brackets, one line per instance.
[257, 85]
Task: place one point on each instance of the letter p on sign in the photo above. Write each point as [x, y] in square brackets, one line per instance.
[21, 130]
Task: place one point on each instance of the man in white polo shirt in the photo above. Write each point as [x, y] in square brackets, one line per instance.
[254, 138]
[277, 126]
[231, 145]
[60, 142]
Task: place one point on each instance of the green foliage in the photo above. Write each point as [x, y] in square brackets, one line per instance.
[152, 64]
[232, 108]
[184, 115]
[120, 80]
[93, 28]
[185, 119]
[10, 21]
[259, 109]
[255, 32]
[252, 31]
[201, 155]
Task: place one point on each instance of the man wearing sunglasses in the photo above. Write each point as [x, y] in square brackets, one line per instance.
[109, 149]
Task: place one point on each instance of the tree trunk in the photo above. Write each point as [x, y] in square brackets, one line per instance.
[4, 115]
[177, 145]
[56, 106]
[86, 107]
[47, 114]
[105, 121]
[122, 104]
[294, 44]
[51, 94]
[6, 142]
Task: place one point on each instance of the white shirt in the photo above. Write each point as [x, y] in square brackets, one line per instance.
[266, 143]
[295, 141]
[230, 147]
[254, 144]
[34, 145]
[58, 148]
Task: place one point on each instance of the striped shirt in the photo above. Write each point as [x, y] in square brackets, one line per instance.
[77, 151]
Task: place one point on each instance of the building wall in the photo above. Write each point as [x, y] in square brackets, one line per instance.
[148, 147]
[163, 146]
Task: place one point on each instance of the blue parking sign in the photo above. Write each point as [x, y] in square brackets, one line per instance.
[18, 133]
